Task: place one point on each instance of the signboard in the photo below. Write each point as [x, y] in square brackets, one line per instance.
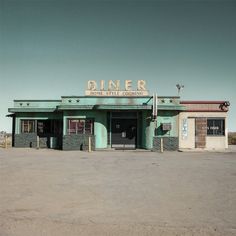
[114, 89]
[185, 128]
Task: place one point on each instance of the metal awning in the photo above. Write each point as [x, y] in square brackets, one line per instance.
[98, 107]
[31, 109]
[105, 107]
[120, 107]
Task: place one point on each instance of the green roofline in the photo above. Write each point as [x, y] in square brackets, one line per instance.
[149, 96]
[31, 109]
[36, 100]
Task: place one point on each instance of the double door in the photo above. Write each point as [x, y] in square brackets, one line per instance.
[124, 133]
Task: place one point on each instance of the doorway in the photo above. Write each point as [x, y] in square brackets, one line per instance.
[124, 130]
[49, 132]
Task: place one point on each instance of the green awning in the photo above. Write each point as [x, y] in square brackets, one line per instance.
[120, 107]
[31, 109]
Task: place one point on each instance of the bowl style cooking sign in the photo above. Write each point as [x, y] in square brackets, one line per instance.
[113, 88]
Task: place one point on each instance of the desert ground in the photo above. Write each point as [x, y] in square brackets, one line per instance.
[51, 192]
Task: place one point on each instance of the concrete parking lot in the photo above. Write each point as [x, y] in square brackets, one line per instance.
[48, 192]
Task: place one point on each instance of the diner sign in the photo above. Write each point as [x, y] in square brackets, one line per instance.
[113, 88]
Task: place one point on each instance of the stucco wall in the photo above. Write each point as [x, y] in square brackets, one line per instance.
[100, 124]
[212, 142]
[167, 117]
[216, 142]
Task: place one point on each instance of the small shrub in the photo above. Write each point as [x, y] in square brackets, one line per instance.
[232, 138]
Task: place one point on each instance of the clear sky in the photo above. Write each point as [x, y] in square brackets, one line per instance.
[51, 48]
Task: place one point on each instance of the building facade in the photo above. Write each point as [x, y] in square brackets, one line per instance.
[119, 120]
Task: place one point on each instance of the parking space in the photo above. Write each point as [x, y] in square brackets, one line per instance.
[48, 192]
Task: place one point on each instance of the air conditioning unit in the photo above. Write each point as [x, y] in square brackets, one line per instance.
[166, 126]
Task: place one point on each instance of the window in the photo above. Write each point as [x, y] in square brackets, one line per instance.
[215, 126]
[43, 127]
[80, 126]
[27, 126]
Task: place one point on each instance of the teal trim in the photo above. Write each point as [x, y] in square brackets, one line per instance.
[104, 107]
[74, 96]
[150, 129]
[97, 108]
[96, 103]
[35, 100]
[167, 117]
[109, 97]
[75, 107]
[24, 109]
[122, 107]
[100, 124]
[100, 130]
[171, 107]
[146, 129]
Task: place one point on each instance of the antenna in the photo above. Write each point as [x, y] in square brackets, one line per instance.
[179, 87]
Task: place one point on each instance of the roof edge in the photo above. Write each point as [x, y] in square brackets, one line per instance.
[36, 100]
[203, 102]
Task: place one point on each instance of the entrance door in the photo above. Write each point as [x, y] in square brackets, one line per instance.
[200, 132]
[124, 133]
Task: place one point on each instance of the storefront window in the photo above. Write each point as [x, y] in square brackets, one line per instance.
[215, 126]
[27, 126]
[80, 126]
[44, 127]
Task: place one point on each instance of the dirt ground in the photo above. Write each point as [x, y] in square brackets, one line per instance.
[48, 192]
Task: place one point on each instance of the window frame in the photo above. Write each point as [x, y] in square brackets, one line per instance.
[23, 121]
[44, 125]
[215, 132]
[78, 122]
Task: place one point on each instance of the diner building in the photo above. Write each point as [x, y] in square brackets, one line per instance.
[119, 119]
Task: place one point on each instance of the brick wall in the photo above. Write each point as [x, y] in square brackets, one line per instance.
[169, 144]
[25, 140]
[201, 132]
[77, 142]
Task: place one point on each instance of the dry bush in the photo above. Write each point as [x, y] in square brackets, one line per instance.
[9, 142]
[232, 138]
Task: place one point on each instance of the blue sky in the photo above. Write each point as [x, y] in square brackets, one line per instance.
[51, 48]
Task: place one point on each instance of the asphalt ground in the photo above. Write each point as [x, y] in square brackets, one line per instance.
[49, 192]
